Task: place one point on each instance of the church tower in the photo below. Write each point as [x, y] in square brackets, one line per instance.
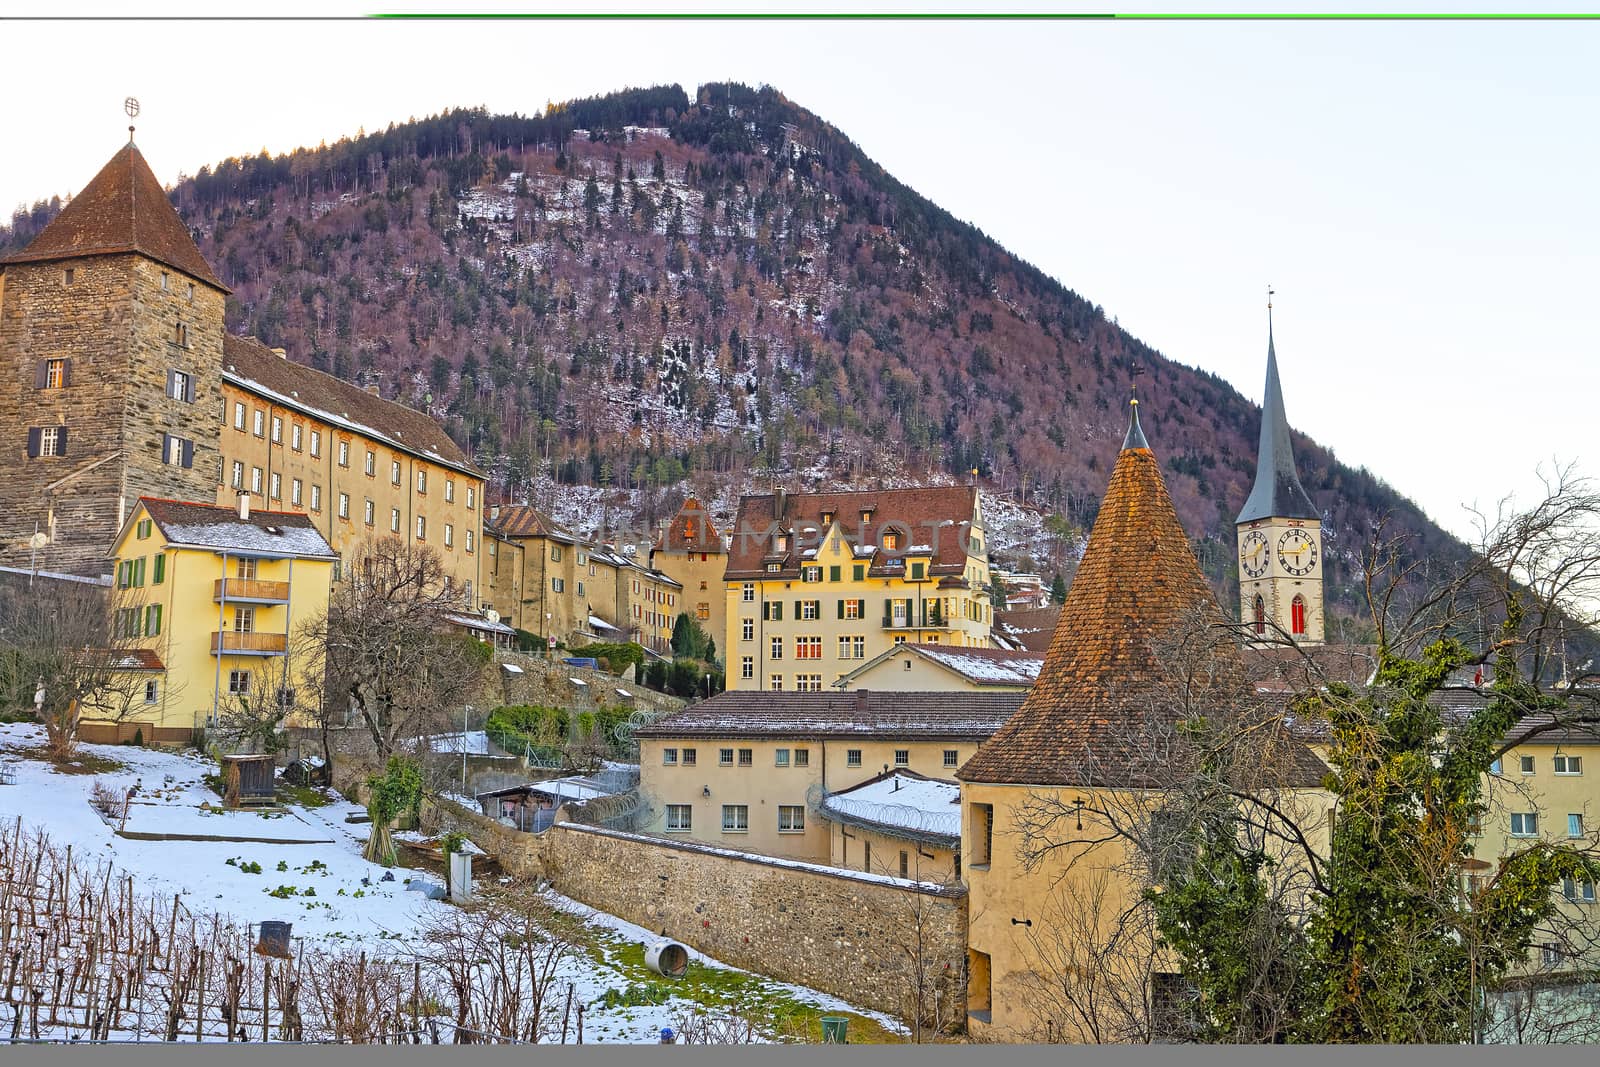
[110, 370]
[1280, 533]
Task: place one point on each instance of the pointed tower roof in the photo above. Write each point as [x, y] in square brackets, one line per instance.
[1084, 721]
[124, 209]
[1277, 492]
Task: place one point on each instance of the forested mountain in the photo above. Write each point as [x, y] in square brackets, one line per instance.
[652, 294]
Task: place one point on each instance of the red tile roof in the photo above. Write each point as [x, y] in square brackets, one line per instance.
[936, 519]
[524, 520]
[1103, 708]
[1032, 628]
[691, 530]
[252, 366]
[123, 209]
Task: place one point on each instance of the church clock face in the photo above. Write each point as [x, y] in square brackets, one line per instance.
[1297, 552]
[1254, 555]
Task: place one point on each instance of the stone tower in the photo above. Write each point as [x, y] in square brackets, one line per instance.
[110, 363]
[1280, 533]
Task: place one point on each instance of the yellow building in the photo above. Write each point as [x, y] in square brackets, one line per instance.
[691, 551]
[360, 466]
[898, 823]
[748, 770]
[819, 583]
[548, 581]
[945, 669]
[220, 593]
[1085, 745]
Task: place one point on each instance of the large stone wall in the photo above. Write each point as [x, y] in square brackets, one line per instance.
[837, 931]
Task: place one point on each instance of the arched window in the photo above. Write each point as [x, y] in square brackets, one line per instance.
[1260, 616]
[1297, 616]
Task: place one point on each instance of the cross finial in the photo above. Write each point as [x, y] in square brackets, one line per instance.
[131, 106]
[1134, 370]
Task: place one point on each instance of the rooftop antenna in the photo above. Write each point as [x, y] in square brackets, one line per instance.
[131, 106]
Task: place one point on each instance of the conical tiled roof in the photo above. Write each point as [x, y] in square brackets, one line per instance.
[1277, 492]
[1138, 587]
[124, 209]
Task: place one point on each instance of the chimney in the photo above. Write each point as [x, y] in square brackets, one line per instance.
[494, 512]
[780, 497]
[244, 505]
[861, 702]
[281, 353]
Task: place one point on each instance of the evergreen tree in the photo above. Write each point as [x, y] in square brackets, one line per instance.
[1058, 590]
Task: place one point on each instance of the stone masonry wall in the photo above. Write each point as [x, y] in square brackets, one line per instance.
[832, 930]
[118, 328]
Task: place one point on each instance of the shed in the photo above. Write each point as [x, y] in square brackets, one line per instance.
[247, 779]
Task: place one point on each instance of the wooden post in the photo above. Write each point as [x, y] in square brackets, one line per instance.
[266, 994]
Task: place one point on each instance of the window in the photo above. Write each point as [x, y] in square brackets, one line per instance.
[297, 491]
[791, 818]
[166, 282]
[866, 855]
[735, 818]
[669, 757]
[811, 574]
[344, 509]
[67, 276]
[851, 609]
[450, 540]
[1494, 768]
[702, 610]
[983, 833]
[54, 375]
[1524, 824]
[1577, 890]
[1575, 825]
[680, 818]
[1297, 615]
[854, 647]
[471, 496]
[369, 512]
[244, 620]
[297, 435]
[780, 758]
[245, 568]
[916, 571]
[780, 543]
[1550, 954]
[238, 416]
[239, 683]
[558, 585]
[47, 441]
[725, 757]
[802, 757]
[852, 757]
[469, 540]
[833, 574]
[143, 529]
[808, 648]
[191, 292]
[1525, 763]
[581, 591]
[688, 757]
[891, 541]
[283, 696]
[422, 528]
[1259, 616]
[902, 757]
[152, 692]
[808, 683]
[277, 429]
[316, 498]
[746, 757]
[858, 572]
[810, 609]
[256, 475]
[747, 629]
[449, 490]
[394, 471]
[777, 648]
[176, 451]
[316, 443]
[775, 683]
[951, 757]
[180, 335]
[152, 619]
[160, 574]
[555, 557]
[277, 486]
[748, 592]
[422, 481]
[258, 422]
[394, 520]
[747, 667]
[1567, 764]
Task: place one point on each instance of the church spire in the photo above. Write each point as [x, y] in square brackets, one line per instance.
[1277, 492]
[1135, 435]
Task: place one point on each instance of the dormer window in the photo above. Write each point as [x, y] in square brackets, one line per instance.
[891, 541]
[827, 518]
[866, 516]
[780, 543]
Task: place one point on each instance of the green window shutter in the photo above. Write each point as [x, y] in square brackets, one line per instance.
[161, 570]
[833, 574]
[158, 618]
[797, 604]
[841, 609]
[860, 571]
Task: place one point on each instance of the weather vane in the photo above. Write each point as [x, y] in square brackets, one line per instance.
[131, 106]
[1133, 384]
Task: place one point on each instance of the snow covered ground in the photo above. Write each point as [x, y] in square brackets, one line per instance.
[333, 896]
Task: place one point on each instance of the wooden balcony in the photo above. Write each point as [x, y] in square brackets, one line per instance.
[235, 643]
[251, 591]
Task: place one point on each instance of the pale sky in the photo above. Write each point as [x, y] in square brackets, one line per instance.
[1422, 195]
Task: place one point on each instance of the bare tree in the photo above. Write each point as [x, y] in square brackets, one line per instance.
[385, 649]
[72, 649]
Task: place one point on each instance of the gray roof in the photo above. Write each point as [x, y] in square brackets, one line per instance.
[264, 533]
[861, 713]
[1277, 492]
[1135, 435]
